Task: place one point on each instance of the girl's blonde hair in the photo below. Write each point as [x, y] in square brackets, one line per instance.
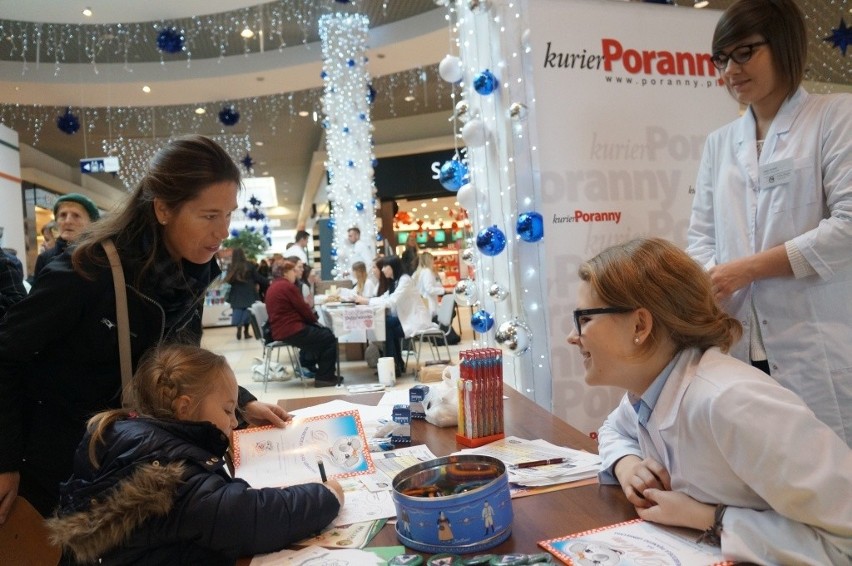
[164, 374]
[654, 274]
[359, 270]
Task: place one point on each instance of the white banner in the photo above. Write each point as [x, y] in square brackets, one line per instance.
[625, 97]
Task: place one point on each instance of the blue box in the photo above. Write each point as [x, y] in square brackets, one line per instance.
[416, 396]
[401, 416]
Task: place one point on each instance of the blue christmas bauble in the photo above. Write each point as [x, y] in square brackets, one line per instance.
[485, 82]
[359, 206]
[229, 116]
[530, 226]
[379, 237]
[170, 40]
[331, 223]
[491, 241]
[452, 175]
[333, 252]
[323, 75]
[350, 63]
[68, 122]
[371, 94]
[481, 321]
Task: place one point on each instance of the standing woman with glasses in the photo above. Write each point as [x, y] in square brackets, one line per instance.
[772, 215]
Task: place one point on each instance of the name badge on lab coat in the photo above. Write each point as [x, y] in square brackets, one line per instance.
[776, 173]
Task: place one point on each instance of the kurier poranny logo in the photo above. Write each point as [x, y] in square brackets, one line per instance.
[633, 66]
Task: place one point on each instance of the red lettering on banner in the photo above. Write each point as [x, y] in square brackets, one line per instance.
[660, 62]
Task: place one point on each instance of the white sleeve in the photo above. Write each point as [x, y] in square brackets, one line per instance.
[701, 237]
[826, 247]
[794, 462]
[618, 437]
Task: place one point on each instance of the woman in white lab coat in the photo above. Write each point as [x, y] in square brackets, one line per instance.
[772, 215]
[428, 283]
[405, 311]
[701, 439]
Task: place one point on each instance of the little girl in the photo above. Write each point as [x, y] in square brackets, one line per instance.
[150, 485]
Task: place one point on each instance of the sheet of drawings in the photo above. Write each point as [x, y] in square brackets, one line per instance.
[275, 457]
[318, 556]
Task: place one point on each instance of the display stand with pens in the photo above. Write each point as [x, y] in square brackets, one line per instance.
[480, 390]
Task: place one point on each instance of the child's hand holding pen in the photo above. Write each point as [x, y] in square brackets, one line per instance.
[333, 485]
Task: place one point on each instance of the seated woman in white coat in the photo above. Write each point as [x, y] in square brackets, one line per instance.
[701, 439]
[405, 312]
[428, 283]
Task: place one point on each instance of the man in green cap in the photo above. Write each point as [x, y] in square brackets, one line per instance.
[73, 212]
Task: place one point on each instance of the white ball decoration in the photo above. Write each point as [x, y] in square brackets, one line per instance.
[474, 133]
[517, 111]
[466, 196]
[468, 255]
[498, 292]
[514, 336]
[450, 68]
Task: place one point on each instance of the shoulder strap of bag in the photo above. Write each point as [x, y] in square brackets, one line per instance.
[120, 313]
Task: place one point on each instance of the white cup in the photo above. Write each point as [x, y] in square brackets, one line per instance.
[387, 371]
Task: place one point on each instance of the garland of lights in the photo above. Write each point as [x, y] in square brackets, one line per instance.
[143, 128]
[349, 143]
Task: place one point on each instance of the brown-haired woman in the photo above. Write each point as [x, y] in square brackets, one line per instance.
[700, 437]
[59, 358]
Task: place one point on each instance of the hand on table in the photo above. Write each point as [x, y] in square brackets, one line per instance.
[676, 509]
[258, 413]
[9, 482]
[636, 475]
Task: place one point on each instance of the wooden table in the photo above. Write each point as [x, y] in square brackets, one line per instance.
[536, 517]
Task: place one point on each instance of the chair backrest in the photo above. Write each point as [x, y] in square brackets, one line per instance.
[445, 309]
[24, 538]
[258, 309]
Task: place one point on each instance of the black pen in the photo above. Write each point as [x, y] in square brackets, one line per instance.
[321, 467]
[537, 463]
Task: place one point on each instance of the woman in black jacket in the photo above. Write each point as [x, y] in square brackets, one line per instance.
[152, 477]
[244, 281]
[59, 358]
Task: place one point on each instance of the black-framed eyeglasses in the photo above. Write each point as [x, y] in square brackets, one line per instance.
[741, 54]
[581, 314]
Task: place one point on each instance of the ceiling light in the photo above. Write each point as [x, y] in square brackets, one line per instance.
[701, 3]
[200, 110]
[87, 12]
[247, 33]
[409, 98]
[434, 199]
[146, 89]
[258, 143]
[304, 113]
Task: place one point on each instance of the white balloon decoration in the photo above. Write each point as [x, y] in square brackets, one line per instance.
[450, 68]
[474, 133]
[467, 196]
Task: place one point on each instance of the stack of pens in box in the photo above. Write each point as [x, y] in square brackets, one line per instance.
[480, 397]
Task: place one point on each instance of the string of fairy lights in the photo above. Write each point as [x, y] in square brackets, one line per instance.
[349, 132]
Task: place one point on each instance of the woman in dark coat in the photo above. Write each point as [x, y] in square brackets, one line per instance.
[245, 281]
[59, 358]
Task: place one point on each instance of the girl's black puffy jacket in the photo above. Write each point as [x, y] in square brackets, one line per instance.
[161, 496]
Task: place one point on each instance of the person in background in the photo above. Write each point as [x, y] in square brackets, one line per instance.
[59, 358]
[405, 312]
[700, 438]
[49, 232]
[263, 269]
[299, 248]
[428, 283]
[73, 212]
[291, 320]
[358, 249]
[12, 289]
[308, 283]
[772, 215]
[359, 274]
[409, 258]
[245, 285]
[152, 476]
